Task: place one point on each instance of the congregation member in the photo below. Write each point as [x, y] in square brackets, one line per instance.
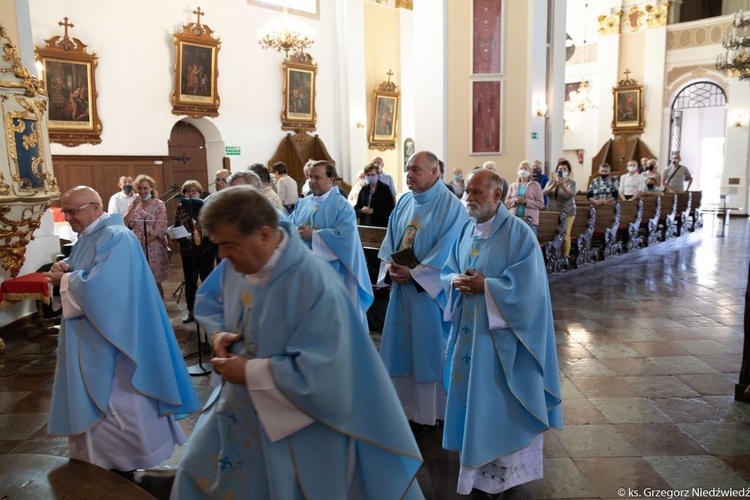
[120, 379]
[121, 200]
[285, 186]
[649, 189]
[375, 203]
[267, 188]
[525, 197]
[631, 182]
[458, 183]
[562, 198]
[642, 166]
[603, 189]
[422, 228]
[501, 370]
[196, 252]
[305, 191]
[353, 196]
[306, 409]
[385, 178]
[652, 172]
[249, 178]
[538, 175]
[675, 177]
[147, 218]
[220, 179]
[328, 226]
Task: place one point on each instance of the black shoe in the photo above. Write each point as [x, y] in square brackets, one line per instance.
[188, 318]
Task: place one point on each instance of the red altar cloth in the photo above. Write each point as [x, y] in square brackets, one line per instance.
[32, 286]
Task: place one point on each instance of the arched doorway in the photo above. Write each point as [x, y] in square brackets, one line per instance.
[698, 126]
[187, 147]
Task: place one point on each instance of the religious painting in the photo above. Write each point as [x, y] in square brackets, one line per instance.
[628, 108]
[27, 152]
[487, 32]
[486, 113]
[196, 74]
[69, 76]
[298, 111]
[384, 116]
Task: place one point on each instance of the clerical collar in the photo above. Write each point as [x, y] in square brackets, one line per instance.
[261, 277]
[323, 197]
[90, 228]
[482, 229]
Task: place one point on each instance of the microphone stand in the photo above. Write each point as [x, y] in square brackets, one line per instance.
[196, 370]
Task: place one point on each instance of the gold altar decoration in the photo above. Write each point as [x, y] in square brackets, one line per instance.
[656, 14]
[27, 182]
[609, 24]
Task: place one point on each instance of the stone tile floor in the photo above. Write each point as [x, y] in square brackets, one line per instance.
[650, 347]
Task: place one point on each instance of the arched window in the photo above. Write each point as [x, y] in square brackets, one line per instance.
[695, 95]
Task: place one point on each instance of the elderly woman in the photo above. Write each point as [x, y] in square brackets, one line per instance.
[375, 203]
[561, 191]
[197, 252]
[147, 217]
[525, 196]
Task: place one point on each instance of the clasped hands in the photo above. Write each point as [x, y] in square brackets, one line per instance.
[399, 274]
[305, 231]
[231, 367]
[469, 283]
[55, 274]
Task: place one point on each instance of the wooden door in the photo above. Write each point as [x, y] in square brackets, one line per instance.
[187, 147]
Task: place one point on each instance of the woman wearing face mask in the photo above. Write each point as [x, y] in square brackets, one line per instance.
[197, 253]
[651, 172]
[147, 217]
[458, 183]
[561, 191]
[525, 196]
[375, 202]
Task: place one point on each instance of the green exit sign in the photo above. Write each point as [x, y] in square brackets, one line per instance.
[535, 135]
[232, 150]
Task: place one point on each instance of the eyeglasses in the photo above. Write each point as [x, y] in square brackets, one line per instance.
[71, 212]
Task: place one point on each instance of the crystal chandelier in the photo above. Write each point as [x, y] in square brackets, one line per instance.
[284, 36]
[736, 60]
[579, 99]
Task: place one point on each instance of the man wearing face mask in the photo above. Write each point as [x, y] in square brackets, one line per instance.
[603, 190]
[119, 202]
[630, 183]
[676, 175]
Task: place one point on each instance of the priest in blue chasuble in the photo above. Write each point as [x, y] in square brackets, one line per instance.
[421, 230]
[305, 408]
[328, 225]
[120, 379]
[501, 371]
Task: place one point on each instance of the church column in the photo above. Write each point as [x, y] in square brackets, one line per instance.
[17, 20]
[608, 48]
[352, 88]
[654, 80]
[430, 92]
[536, 80]
[556, 83]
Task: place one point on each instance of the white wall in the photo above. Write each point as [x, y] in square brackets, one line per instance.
[135, 76]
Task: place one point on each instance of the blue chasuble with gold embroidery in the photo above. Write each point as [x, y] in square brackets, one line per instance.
[503, 385]
[414, 332]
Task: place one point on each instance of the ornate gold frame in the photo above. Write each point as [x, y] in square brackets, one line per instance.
[195, 48]
[627, 117]
[385, 101]
[299, 66]
[65, 59]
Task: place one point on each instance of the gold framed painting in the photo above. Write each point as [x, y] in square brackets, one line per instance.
[298, 111]
[69, 76]
[628, 108]
[384, 116]
[196, 71]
